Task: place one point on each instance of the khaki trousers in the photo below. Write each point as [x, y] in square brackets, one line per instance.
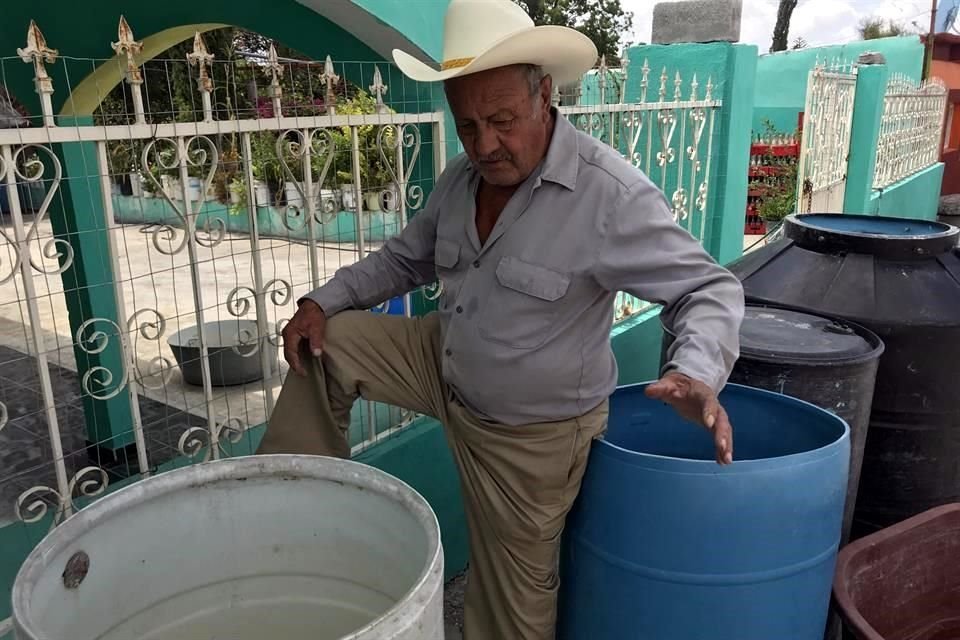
[518, 483]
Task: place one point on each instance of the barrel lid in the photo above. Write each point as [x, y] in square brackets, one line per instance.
[883, 237]
[783, 334]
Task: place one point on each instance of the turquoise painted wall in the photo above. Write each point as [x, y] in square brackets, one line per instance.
[377, 226]
[782, 77]
[420, 21]
[916, 197]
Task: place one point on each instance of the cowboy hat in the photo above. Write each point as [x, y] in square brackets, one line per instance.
[484, 34]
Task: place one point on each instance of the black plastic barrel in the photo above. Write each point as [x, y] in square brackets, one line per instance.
[899, 278]
[826, 362]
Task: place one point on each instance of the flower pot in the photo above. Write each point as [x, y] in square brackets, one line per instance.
[136, 185]
[261, 193]
[292, 194]
[195, 189]
[329, 204]
[372, 199]
[348, 197]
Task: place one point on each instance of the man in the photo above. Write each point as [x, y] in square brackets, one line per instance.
[531, 233]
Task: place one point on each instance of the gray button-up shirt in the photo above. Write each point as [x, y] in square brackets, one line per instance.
[526, 317]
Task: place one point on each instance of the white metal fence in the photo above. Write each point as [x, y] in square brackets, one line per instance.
[825, 147]
[670, 138]
[913, 117]
[151, 253]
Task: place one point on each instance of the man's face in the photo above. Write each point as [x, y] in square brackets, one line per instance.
[504, 129]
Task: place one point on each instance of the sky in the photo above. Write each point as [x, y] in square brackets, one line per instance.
[816, 21]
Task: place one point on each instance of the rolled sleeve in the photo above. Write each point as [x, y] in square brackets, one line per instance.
[644, 252]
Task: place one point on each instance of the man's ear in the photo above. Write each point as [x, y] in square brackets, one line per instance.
[546, 93]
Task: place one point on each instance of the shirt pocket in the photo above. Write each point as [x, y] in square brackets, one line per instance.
[446, 258]
[523, 304]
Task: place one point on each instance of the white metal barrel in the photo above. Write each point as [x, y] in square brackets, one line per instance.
[279, 547]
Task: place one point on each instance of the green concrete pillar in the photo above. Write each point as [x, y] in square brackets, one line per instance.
[77, 217]
[728, 197]
[864, 137]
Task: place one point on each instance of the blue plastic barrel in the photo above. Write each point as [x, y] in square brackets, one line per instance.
[664, 544]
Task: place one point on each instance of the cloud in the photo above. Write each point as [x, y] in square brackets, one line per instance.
[818, 22]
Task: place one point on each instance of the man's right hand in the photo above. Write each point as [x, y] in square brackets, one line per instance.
[309, 324]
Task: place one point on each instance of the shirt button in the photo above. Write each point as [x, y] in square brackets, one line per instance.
[459, 309]
[448, 352]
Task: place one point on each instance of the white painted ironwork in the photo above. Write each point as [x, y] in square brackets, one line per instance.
[825, 146]
[911, 129]
[189, 260]
[39, 54]
[670, 139]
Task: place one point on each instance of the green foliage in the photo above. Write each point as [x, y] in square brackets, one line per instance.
[876, 28]
[603, 21]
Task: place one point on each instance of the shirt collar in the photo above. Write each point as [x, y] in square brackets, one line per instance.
[562, 161]
[563, 157]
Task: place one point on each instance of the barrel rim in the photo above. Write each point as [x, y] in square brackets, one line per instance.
[710, 467]
[878, 346]
[230, 469]
[803, 230]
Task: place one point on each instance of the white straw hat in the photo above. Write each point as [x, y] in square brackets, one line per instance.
[485, 34]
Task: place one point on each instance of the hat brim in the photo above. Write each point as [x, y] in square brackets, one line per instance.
[565, 54]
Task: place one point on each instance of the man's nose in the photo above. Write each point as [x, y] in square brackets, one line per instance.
[487, 141]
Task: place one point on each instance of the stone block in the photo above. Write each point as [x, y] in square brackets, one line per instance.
[697, 21]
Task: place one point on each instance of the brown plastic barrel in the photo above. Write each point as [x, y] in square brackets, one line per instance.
[903, 582]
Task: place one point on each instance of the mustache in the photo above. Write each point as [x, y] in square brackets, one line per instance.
[497, 156]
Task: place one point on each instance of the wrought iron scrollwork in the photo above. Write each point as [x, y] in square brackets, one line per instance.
[32, 506]
[397, 139]
[195, 440]
[169, 154]
[28, 167]
[303, 147]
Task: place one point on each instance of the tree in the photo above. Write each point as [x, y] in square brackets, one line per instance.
[799, 43]
[875, 28]
[603, 21]
[781, 30]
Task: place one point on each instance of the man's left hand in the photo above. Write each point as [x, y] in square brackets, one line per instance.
[696, 402]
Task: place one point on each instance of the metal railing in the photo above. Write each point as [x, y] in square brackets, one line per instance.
[825, 144]
[669, 138]
[911, 129]
[150, 255]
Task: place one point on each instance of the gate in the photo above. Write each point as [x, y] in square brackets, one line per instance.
[825, 146]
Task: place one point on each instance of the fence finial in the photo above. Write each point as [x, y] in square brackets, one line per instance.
[602, 78]
[127, 45]
[663, 85]
[274, 68]
[644, 79]
[330, 80]
[378, 89]
[202, 58]
[38, 53]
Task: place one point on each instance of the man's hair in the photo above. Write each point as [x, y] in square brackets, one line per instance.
[535, 76]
